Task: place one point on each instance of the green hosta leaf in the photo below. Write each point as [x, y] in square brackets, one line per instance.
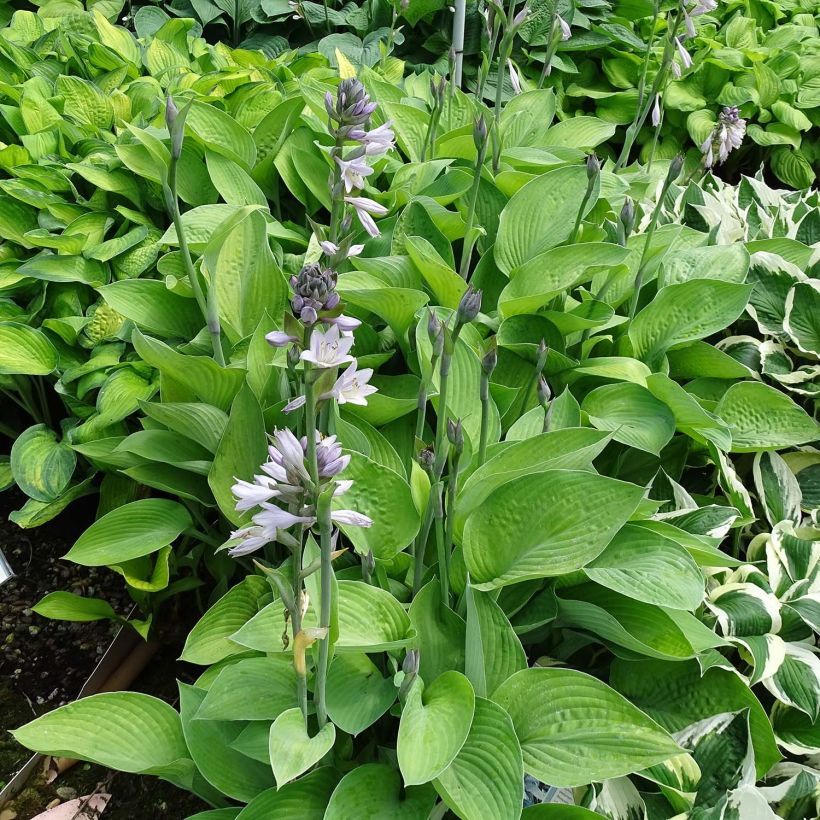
[241, 450]
[435, 722]
[84, 103]
[209, 641]
[357, 694]
[220, 132]
[491, 746]
[729, 263]
[579, 132]
[533, 283]
[649, 567]
[36, 513]
[66, 606]
[305, 799]
[574, 729]
[41, 465]
[570, 449]
[441, 633]
[540, 216]
[558, 811]
[197, 421]
[763, 418]
[802, 321]
[792, 167]
[383, 495]
[154, 308]
[683, 313]
[168, 448]
[545, 524]
[251, 689]
[632, 413]
[447, 286]
[209, 742]
[679, 694]
[370, 619]
[131, 531]
[25, 350]
[292, 750]
[127, 731]
[493, 649]
[376, 791]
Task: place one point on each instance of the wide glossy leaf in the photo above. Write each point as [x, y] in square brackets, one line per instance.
[131, 531]
[370, 619]
[633, 415]
[763, 418]
[441, 633]
[385, 496]
[25, 350]
[646, 566]
[154, 308]
[435, 722]
[41, 465]
[304, 799]
[251, 689]
[292, 750]
[375, 791]
[484, 779]
[494, 652]
[357, 693]
[209, 640]
[196, 421]
[540, 216]
[209, 742]
[574, 729]
[802, 320]
[67, 606]
[127, 731]
[545, 524]
[683, 313]
[729, 263]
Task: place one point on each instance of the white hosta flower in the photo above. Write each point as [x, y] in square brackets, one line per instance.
[364, 208]
[328, 348]
[278, 338]
[351, 518]
[685, 56]
[656, 111]
[725, 137]
[273, 518]
[515, 80]
[566, 31]
[353, 173]
[378, 140]
[352, 386]
[690, 26]
[250, 494]
[332, 249]
[346, 324]
[703, 7]
[250, 539]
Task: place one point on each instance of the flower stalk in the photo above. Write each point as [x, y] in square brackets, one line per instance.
[323, 515]
[470, 235]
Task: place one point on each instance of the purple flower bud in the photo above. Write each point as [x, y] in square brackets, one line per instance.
[455, 435]
[593, 167]
[675, 168]
[544, 392]
[627, 216]
[469, 306]
[410, 665]
[479, 132]
[490, 360]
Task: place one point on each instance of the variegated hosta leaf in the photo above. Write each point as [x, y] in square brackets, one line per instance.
[791, 558]
[797, 680]
[777, 488]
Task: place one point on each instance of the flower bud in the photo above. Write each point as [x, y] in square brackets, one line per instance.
[519, 18]
[455, 435]
[675, 168]
[469, 306]
[544, 392]
[368, 563]
[490, 360]
[176, 127]
[438, 342]
[627, 217]
[542, 351]
[410, 664]
[426, 459]
[433, 326]
[479, 132]
[593, 167]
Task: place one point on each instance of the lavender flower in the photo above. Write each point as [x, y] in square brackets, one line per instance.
[353, 173]
[725, 137]
[279, 338]
[566, 31]
[704, 7]
[328, 348]
[364, 207]
[690, 26]
[352, 386]
[685, 56]
[332, 249]
[515, 80]
[656, 111]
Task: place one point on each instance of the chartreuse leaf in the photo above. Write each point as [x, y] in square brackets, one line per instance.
[632, 413]
[683, 313]
[41, 465]
[306, 799]
[729, 263]
[202, 423]
[251, 689]
[66, 606]
[357, 694]
[127, 731]
[209, 742]
[541, 215]
[375, 791]
[573, 729]
[494, 652]
[130, 531]
[292, 750]
[154, 308]
[678, 694]
[763, 418]
[25, 350]
[447, 286]
[385, 496]
[545, 524]
[370, 619]
[649, 567]
[240, 452]
[467, 786]
[209, 640]
[435, 722]
[440, 632]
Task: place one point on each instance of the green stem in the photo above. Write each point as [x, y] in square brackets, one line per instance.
[490, 52]
[551, 46]
[211, 319]
[326, 582]
[485, 422]
[441, 544]
[420, 544]
[580, 215]
[469, 240]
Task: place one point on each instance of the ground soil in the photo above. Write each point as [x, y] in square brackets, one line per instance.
[44, 664]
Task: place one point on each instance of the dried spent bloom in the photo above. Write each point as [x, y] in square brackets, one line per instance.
[725, 137]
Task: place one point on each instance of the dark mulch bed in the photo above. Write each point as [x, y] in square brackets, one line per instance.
[44, 664]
